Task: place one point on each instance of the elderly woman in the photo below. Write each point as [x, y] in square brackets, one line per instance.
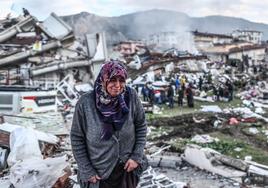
[108, 133]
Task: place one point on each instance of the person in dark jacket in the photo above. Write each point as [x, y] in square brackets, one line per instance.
[230, 89]
[145, 92]
[180, 97]
[190, 96]
[151, 93]
[170, 96]
[108, 132]
[200, 83]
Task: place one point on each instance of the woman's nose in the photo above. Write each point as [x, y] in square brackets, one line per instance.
[117, 83]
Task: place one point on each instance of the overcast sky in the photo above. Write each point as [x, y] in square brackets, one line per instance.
[253, 10]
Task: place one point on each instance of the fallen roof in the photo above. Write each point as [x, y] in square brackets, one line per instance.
[197, 33]
[232, 48]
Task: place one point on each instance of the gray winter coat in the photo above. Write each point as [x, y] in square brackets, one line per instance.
[98, 157]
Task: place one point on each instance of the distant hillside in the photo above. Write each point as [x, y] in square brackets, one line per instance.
[84, 23]
[225, 25]
[139, 25]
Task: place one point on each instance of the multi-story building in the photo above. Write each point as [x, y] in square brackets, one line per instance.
[222, 53]
[182, 41]
[163, 39]
[248, 35]
[129, 47]
[206, 40]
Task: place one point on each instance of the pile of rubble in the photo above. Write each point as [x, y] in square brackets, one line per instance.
[33, 158]
[42, 53]
[242, 138]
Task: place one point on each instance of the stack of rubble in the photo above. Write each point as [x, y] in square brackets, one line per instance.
[31, 157]
[150, 179]
[246, 172]
[42, 53]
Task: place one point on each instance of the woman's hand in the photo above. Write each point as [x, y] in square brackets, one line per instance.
[94, 179]
[130, 165]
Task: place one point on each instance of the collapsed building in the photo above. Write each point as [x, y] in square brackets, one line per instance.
[46, 55]
[42, 68]
[35, 52]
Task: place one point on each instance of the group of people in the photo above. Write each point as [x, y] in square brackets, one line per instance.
[184, 88]
[158, 96]
[167, 94]
[223, 91]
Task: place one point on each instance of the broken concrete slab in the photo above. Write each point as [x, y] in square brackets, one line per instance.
[165, 161]
[205, 158]
[55, 27]
[24, 24]
[257, 170]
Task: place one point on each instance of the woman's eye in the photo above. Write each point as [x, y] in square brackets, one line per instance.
[121, 80]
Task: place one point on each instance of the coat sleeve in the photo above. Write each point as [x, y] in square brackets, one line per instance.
[79, 145]
[140, 129]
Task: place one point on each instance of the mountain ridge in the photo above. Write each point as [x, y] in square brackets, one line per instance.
[139, 25]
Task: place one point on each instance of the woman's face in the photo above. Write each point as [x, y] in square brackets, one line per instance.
[116, 85]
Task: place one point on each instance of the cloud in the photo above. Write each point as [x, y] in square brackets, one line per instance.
[248, 9]
[5, 7]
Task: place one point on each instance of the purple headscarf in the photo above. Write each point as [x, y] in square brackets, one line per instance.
[113, 110]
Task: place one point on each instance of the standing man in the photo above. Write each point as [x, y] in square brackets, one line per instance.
[170, 95]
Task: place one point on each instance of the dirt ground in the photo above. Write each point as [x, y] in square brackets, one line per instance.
[178, 130]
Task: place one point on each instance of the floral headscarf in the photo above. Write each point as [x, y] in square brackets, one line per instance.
[113, 110]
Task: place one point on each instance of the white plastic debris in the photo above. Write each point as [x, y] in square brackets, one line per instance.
[248, 158]
[217, 123]
[203, 94]
[253, 130]
[248, 103]
[36, 173]
[259, 110]
[157, 110]
[265, 132]
[238, 149]
[23, 145]
[211, 108]
[207, 99]
[205, 138]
